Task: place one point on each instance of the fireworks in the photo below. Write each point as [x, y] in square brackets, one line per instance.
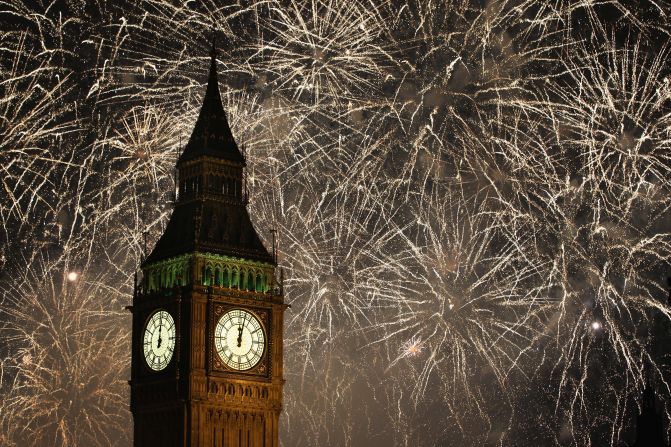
[472, 205]
[67, 354]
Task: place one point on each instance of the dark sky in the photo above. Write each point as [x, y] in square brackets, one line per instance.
[472, 202]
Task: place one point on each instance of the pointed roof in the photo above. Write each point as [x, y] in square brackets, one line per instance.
[212, 135]
[210, 220]
[210, 227]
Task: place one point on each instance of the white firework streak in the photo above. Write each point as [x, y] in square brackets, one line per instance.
[471, 202]
[67, 355]
[36, 124]
[323, 52]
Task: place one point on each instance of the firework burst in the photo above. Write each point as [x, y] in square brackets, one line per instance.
[67, 353]
[472, 202]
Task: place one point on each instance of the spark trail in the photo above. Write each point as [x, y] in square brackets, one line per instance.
[472, 204]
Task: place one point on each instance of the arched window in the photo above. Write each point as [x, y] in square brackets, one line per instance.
[217, 277]
[250, 282]
[226, 279]
[259, 283]
[207, 276]
[236, 279]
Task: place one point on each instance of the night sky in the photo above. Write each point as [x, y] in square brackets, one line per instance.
[472, 198]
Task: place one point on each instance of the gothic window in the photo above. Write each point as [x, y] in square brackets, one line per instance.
[236, 279]
[259, 283]
[207, 276]
[250, 282]
[217, 277]
[226, 280]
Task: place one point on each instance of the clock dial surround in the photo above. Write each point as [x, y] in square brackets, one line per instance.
[159, 340]
[239, 339]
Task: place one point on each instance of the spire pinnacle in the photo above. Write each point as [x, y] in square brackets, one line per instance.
[212, 134]
[212, 81]
[213, 50]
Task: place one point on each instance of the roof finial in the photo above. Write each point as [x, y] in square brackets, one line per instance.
[212, 81]
[213, 51]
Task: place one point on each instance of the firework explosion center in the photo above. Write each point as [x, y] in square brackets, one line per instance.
[208, 311]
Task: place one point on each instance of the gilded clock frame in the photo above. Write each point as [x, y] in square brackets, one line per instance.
[216, 365]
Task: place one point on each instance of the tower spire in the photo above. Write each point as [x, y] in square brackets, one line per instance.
[213, 51]
[212, 134]
[213, 78]
[210, 214]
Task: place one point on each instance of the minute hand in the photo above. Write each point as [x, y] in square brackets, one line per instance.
[243, 325]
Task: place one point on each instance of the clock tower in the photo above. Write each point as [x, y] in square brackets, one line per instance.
[208, 313]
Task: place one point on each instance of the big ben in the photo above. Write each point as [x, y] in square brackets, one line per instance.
[208, 313]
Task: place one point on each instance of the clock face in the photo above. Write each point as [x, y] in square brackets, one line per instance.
[239, 339]
[159, 340]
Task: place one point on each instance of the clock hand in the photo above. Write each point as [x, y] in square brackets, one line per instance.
[242, 323]
[160, 326]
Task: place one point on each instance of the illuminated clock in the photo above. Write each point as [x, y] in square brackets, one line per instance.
[239, 339]
[159, 340]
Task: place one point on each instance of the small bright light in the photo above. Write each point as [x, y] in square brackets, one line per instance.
[27, 359]
[412, 347]
[596, 325]
[72, 276]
